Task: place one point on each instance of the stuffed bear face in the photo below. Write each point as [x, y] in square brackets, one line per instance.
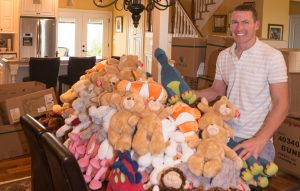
[226, 109]
[214, 127]
[133, 102]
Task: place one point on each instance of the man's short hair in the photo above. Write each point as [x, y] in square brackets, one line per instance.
[247, 7]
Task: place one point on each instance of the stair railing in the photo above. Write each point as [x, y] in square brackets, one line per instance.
[183, 25]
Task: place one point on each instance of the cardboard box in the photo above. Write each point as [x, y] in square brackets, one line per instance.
[17, 89]
[215, 44]
[287, 146]
[294, 94]
[192, 82]
[204, 82]
[188, 53]
[35, 104]
[292, 58]
[198, 83]
[275, 43]
[13, 141]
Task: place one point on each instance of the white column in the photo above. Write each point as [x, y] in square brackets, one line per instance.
[160, 38]
[13, 68]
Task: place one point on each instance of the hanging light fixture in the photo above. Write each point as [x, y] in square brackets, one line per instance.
[135, 6]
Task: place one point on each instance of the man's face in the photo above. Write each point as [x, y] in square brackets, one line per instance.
[243, 27]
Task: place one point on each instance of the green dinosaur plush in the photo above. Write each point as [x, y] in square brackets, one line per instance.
[256, 171]
[176, 87]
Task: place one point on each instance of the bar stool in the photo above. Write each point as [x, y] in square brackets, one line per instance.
[76, 68]
[44, 70]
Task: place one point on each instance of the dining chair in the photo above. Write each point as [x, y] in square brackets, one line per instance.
[44, 70]
[65, 171]
[76, 68]
[40, 171]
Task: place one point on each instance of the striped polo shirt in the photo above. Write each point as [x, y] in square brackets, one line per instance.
[248, 80]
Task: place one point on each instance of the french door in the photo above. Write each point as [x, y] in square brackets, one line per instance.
[84, 33]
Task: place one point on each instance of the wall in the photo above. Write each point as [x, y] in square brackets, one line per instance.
[119, 46]
[281, 8]
[294, 8]
[80, 4]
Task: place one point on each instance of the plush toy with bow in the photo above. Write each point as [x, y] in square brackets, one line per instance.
[176, 87]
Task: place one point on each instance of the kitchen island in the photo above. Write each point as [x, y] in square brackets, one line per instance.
[13, 70]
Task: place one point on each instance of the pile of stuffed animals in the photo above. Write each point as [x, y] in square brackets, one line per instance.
[134, 133]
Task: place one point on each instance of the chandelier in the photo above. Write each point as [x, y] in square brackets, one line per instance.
[135, 6]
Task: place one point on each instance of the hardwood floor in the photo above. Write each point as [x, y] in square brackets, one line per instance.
[15, 168]
[20, 167]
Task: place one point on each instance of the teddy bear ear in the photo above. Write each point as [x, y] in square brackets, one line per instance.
[203, 105]
[224, 98]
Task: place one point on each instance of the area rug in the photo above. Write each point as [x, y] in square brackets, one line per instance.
[20, 184]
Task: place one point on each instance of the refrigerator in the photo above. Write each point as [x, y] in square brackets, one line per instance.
[37, 37]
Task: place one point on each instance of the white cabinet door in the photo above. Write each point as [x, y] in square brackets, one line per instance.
[39, 8]
[28, 8]
[6, 16]
[47, 7]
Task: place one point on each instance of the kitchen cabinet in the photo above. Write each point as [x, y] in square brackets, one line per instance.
[6, 16]
[39, 8]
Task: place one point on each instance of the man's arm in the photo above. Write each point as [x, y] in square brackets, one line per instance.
[277, 114]
[218, 88]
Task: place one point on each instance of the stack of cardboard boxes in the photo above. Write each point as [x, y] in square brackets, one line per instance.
[16, 100]
[287, 137]
[195, 58]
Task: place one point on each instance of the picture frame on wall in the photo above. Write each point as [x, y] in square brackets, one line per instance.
[119, 24]
[275, 31]
[220, 23]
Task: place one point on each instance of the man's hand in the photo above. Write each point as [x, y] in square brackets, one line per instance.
[251, 147]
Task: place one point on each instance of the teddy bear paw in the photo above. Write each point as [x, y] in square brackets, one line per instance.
[239, 163]
[189, 97]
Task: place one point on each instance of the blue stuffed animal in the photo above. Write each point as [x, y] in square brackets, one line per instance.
[176, 87]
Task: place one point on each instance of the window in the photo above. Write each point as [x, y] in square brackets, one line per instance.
[84, 33]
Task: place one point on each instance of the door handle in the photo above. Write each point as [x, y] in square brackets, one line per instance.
[83, 48]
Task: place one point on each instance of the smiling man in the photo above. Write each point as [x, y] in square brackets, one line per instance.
[253, 76]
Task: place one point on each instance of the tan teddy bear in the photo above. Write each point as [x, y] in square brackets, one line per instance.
[226, 109]
[123, 123]
[212, 149]
[149, 135]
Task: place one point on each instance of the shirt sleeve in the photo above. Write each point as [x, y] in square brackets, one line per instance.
[277, 69]
[218, 74]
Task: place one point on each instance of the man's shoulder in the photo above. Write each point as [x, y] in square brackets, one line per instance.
[265, 49]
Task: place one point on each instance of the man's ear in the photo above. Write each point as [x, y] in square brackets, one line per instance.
[257, 24]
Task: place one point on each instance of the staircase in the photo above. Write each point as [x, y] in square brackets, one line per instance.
[184, 26]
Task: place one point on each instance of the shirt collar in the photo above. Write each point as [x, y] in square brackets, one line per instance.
[250, 51]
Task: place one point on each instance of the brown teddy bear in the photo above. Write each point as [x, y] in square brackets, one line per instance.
[149, 135]
[212, 149]
[226, 109]
[123, 123]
